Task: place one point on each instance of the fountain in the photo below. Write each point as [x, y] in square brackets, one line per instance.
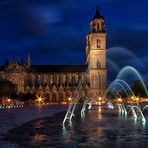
[135, 72]
[76, 98]
[124, 108]
[136, 109]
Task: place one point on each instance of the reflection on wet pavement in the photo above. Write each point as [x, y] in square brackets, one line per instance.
[104, 128]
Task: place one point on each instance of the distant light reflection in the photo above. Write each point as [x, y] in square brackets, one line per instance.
[99, 113]
[39, 137]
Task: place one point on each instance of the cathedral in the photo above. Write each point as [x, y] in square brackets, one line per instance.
[56, 83]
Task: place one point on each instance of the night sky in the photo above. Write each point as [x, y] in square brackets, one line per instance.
[53, 31]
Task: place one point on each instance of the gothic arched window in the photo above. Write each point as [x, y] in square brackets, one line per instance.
[39, 79]
[98, 64]
[103, 26]
[51, 79]
[94, 63]
[98, 43]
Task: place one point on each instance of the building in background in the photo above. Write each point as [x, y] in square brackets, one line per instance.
[56, 83]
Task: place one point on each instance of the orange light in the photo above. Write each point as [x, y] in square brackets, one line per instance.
[100, 98]
[137, 99]
[119, 100]
[40, 99]
[69, 99]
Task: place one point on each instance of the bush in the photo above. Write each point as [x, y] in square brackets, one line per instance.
[6, 88]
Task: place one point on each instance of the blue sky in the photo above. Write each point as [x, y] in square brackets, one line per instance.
[53, 31]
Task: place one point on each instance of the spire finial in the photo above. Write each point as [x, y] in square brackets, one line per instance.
[28, 62]
[97, 14]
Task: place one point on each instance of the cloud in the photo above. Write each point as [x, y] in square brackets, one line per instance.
[47, 14]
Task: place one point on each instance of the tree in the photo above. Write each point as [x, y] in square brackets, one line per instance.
[6, 88]
[138, 88]
[14, 96]
[27, 97]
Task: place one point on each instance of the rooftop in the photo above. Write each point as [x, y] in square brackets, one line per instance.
[57, 68]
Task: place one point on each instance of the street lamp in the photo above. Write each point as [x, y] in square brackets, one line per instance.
[69, 99]
[119, 100]
[39, 100]
[100, 100]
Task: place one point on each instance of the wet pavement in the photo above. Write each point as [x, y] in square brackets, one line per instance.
[98, 128]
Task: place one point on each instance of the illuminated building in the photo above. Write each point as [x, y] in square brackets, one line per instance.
[59, 82]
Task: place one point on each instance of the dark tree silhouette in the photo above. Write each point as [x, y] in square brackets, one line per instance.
[6, 88]
[138, 88]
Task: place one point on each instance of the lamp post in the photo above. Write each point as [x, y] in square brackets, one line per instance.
[100, 100]
[39, 100]
[69, 100]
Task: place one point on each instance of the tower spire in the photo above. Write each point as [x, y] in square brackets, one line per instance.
[97, 14]
[28, 62]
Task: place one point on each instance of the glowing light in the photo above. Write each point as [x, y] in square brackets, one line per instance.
[69, 99]
[99, 114]
[99, 101]
[99, 109]
[137, 99]
[100, 98]
[40, 100]
[8, 100]
[119, 100]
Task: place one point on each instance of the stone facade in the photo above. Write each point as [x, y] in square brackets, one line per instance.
[96, 56]
[56, 83]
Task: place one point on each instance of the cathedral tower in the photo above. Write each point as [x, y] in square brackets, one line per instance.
[96, 56]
